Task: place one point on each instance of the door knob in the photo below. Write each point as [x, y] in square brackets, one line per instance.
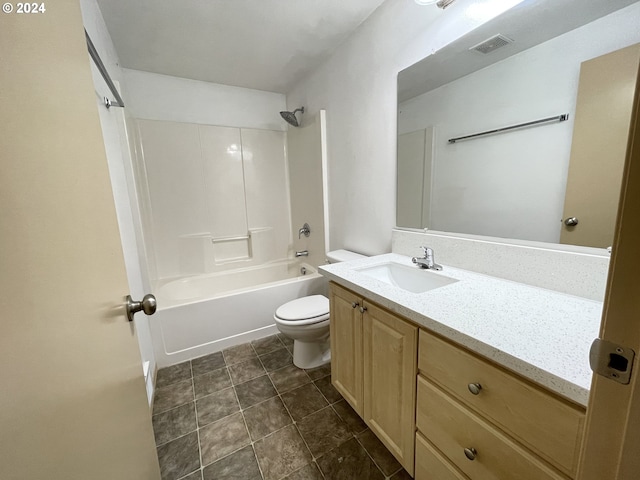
[571, 221]
[147, 305]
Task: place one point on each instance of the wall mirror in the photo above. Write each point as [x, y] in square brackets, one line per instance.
[553, 181]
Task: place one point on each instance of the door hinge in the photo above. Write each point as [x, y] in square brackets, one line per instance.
[611, 360]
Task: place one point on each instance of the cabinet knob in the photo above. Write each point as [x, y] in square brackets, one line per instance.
[363, 309]
[470, 453]
[354, 304]
[474, 388]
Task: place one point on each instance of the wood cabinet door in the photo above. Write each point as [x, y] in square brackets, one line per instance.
[346, 345]
[390, 365]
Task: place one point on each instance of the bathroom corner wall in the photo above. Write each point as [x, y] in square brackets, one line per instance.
[572, 270]
[207, 107]
[162, 97]
[357, 87]
[304, 155]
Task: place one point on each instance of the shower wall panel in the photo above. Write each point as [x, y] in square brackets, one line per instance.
[304, 156]
[176, 189]
[218, 196]
[224, 180]
[267, 186]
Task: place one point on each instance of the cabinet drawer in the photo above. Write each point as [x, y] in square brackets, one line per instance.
[431, 465]
[549, 426]
[451, 428]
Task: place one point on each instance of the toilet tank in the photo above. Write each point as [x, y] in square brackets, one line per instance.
[336, 256]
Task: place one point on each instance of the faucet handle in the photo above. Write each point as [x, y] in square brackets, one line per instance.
[305, 230]
[426, 250]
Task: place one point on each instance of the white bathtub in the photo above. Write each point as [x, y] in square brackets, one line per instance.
[207, 313]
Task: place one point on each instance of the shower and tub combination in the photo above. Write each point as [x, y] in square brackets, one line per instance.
[202, 314]
[218, 214]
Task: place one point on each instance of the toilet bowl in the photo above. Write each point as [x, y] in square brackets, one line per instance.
[306, 321]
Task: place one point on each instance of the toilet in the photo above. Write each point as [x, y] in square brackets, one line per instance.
[306, 321]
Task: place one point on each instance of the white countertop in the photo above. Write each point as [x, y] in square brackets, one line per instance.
[540, 334]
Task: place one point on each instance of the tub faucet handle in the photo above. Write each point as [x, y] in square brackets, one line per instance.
[305, 230]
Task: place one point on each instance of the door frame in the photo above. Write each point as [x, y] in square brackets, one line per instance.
[612, 437]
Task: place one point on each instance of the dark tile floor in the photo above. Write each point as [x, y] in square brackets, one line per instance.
[248, 413]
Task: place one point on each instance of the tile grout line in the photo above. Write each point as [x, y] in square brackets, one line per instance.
[279, 394]
[244, 420]
[371, 457]
[195, 408]
[293, 422]
[242, 410]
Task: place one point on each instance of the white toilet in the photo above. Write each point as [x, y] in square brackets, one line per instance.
[306, 320]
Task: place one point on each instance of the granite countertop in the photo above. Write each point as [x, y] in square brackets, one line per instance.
[540, 334]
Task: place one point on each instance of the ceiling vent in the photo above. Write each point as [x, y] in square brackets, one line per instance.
[491, 44]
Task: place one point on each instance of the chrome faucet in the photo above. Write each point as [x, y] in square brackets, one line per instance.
[305, 230]
[303, 253]
[427, 261]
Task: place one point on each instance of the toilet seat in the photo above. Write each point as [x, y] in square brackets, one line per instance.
[303, 311]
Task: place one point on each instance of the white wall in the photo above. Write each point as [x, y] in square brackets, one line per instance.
[488, 186]
[122, 181]
[161, 97]
[357, 87]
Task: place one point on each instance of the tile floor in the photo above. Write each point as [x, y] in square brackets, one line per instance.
[248, 413]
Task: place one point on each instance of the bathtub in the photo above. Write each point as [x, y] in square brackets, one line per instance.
[203, 314]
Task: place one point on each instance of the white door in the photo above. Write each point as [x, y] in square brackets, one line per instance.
[72, 398]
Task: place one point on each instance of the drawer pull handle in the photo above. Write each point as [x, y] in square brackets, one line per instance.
[474, 388]
[470, 453]
[354, 304]
[363, 309]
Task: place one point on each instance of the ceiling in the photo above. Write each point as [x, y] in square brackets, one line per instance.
[529, 23]
[262, 44]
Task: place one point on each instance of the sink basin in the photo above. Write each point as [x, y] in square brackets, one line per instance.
[411, 279]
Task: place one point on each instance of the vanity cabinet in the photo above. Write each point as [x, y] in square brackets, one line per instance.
[543, 423]
[443, 411]
[484, 422]
[346, 345]
[373, 365]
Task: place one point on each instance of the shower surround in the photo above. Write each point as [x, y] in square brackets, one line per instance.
[218, 234]
[218, 196]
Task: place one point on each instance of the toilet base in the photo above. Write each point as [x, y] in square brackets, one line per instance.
[311, 354]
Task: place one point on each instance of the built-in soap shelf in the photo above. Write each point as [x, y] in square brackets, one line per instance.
[232, 248]
[205, 253]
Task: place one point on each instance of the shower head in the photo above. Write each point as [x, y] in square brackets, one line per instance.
[290, 117]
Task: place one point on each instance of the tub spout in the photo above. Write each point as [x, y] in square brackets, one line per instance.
[303, 253]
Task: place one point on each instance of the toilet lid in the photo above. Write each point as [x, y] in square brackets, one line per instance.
[304, 308]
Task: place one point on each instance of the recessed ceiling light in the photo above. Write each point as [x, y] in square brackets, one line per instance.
[425, 2]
